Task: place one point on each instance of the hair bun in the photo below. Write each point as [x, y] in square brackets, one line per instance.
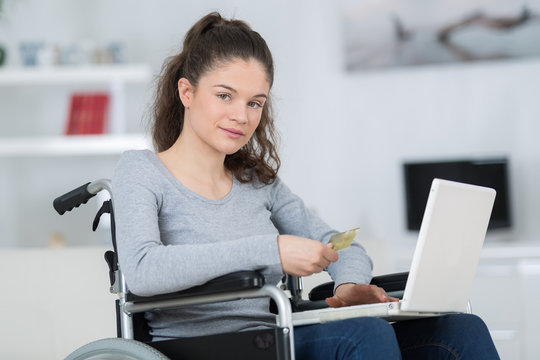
[205, 24]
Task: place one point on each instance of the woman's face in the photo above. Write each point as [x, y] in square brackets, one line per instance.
[225, 108]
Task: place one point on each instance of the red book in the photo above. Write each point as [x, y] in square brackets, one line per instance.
[88, 113]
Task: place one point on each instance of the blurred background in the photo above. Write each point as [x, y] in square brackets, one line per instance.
[349, 124]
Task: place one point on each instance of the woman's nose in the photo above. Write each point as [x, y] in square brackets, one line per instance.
[240, 114]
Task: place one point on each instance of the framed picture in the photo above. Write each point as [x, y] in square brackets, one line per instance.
[390, 33]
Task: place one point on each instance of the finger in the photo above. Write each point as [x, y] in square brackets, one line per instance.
[324, 258]
[384, 297]
[330, 254]
[379, 294]
[321, 265]
[334, 302]
[317, 268]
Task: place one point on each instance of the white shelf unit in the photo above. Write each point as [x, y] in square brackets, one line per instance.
[134, 73]
[115, 76]
[38, 164]
[71, 145]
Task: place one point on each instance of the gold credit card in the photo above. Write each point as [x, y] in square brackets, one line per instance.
[343, 240]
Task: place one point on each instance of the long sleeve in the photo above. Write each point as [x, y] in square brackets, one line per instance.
[169, 239]
[291, 216]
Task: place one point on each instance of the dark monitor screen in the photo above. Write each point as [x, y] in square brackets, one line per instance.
[487, 172]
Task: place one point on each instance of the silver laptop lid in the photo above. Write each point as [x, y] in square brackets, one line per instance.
[448, 249]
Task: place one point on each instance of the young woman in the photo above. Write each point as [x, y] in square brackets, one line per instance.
[209, 202]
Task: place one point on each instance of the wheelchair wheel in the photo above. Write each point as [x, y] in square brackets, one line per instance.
[116, 349]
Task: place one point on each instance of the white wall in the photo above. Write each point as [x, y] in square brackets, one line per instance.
[53, 301]
[344, 135]
[361, 126]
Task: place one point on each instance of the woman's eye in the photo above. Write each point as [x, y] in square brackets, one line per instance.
[224, 96]
[254, 104]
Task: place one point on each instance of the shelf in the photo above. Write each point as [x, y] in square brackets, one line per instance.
[71, 145]
[80, 75]
[511, 252]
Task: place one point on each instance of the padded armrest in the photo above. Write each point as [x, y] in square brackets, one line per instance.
[240, 280]
[389, 282]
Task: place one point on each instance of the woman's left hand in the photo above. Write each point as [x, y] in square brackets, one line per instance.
[357, 294]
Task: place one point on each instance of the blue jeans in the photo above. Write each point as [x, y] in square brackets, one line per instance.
[459, 336]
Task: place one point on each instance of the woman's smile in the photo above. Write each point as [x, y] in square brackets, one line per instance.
[232, 133]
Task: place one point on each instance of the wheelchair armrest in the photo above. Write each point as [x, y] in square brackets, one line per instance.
[240, 280]
[390, 283]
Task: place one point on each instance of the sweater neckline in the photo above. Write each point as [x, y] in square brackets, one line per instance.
[184, 189]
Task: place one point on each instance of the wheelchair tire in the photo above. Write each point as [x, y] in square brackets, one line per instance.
[116, 349]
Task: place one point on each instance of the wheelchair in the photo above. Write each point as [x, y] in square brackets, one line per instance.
[133, 339]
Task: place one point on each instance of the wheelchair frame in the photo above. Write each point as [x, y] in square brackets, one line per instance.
[251, 285]
[241, 285]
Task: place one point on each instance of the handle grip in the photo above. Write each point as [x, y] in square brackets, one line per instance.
[72, 199]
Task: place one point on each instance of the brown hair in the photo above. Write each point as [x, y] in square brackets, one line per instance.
[213, 41]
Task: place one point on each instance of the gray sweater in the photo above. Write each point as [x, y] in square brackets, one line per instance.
[170, 239]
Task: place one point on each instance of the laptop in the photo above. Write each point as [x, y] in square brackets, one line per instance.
[444, 262]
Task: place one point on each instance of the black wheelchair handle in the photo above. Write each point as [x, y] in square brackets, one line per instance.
[72, 199]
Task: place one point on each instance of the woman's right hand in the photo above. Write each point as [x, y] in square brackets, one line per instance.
[303, 257]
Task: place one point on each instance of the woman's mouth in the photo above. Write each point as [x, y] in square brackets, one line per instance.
[233, 133]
